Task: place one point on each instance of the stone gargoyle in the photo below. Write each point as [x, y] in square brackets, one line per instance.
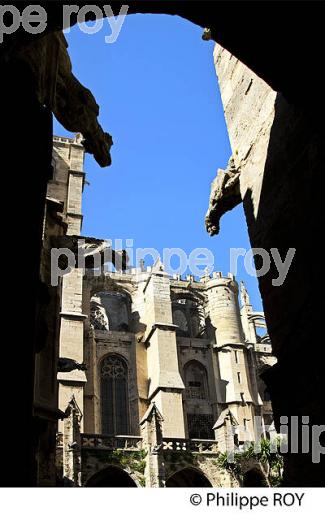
[89, 250]
[76, 109]
[224, 196]
[56, 87]
[68, 364]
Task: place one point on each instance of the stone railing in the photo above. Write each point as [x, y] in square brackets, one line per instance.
[192, 445]
[108, 442]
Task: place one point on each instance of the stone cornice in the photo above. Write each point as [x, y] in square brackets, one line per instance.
[160, 326]
[78, 316]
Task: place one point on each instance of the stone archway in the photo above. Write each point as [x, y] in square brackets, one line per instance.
[188, 477]
[112, 476]
[254, 478]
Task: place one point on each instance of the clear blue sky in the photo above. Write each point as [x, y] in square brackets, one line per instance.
[159, 99]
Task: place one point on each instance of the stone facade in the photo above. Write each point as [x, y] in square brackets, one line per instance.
[172, 366]
[62, 216]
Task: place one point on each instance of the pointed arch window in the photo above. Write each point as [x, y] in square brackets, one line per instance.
[196, 383]
[180, 319]
[114, 395]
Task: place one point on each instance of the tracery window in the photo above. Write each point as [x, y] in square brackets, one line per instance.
[114, 395]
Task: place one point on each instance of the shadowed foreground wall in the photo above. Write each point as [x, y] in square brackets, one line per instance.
[278, 150]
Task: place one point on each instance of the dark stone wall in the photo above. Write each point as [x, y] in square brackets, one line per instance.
[26, 152]
[289, 216]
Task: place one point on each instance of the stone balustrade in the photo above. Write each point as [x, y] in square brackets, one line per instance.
[134, 443]
[192, 445]
[109, 442]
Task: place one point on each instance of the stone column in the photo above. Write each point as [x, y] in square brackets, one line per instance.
[72, 317]
[232, 373]
[246, 311]
[151, 432]
[165, 383]
[72, 445]
[224, 309]
[71, 339]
